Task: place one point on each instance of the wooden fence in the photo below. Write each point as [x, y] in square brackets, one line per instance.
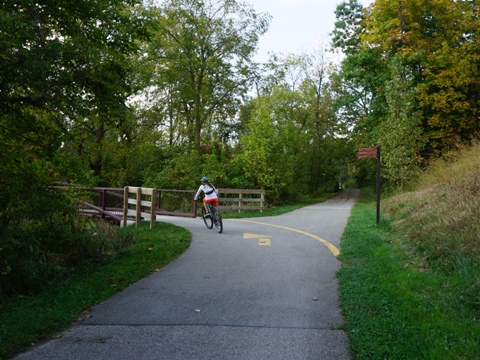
[245, 199]
[115, 205]
[229, 199]
[162, 199]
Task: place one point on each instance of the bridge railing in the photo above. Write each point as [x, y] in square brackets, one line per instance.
[110, 202]
[101, 201]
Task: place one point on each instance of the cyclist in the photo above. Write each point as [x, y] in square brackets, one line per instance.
[211, 194]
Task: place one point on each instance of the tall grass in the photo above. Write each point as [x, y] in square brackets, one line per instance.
[441, 219]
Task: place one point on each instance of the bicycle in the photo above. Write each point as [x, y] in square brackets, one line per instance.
[215, 217]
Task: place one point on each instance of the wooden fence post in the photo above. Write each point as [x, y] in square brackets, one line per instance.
[153, 214]
[125, 206]
[103, 198]
[138, 216]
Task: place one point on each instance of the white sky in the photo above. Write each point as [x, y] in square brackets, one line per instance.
[296, 25]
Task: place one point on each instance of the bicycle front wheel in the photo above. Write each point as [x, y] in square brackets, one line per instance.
[207, 220]
[217, 220]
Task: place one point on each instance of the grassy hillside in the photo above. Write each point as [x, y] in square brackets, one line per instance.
[410, 289]
[441, 220]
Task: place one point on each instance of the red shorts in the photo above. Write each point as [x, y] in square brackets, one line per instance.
[214, 201]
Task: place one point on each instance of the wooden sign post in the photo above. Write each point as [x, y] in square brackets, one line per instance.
[371, 153]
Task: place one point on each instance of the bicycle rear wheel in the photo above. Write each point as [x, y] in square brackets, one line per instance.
[207, 220]
[217, 220]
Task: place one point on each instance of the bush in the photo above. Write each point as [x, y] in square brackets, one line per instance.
[42, 236]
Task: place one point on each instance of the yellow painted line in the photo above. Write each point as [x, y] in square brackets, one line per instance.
[330, 246]
[264, 242]
[254, 236]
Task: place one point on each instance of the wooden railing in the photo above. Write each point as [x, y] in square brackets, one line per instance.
[142, 198]
[176, 203]
[246, 199]
[109, 203]
[106, 203]
[229, 199]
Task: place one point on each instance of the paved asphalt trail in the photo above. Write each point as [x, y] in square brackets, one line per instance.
[263, 289]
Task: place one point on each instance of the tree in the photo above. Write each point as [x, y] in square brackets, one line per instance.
[400, 134]
[359, 84]
[346, 34]
[201, 60]
[270, 155]
[450, 90]
[62, 65]
[437, 41]
[323, 125]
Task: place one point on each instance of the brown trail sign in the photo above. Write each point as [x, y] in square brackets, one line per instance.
[368, 152]
[373, 152]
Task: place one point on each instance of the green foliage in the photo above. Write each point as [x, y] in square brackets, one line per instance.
[409, 80]
[43, 67]
[349, 17]
[43, 238]
[436, 41]
[182, 171]
[127, 162]
[268, 163]
[400, 133]
[292, 143]
[200, 65]
[359, 83]
[215, 165]
[139, 252]
[65, 79]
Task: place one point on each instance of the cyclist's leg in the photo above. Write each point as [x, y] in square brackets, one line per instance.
[210, 208]
[207, 219]
[205, 206]
[213, 207]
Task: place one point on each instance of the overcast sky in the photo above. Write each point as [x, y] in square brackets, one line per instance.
[297, 25]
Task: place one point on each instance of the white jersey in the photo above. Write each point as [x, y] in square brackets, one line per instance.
[210, 192]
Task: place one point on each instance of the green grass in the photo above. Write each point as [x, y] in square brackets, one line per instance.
[394, 308]
[26, 319]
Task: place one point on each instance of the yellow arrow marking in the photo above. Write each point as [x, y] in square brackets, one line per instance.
[254, 236]
[330, 246]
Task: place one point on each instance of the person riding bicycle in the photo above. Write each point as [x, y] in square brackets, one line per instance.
[211, 194]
